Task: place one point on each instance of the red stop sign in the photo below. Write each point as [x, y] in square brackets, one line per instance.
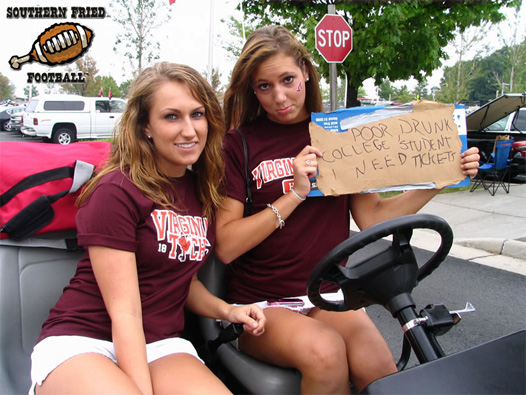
[333, 38]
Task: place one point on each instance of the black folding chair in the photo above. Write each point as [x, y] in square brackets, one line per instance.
[496, 172]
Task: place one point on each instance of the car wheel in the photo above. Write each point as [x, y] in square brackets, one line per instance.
[4, 124]
[64, 136]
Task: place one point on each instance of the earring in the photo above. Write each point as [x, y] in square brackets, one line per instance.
[307, 79]
[150, 137]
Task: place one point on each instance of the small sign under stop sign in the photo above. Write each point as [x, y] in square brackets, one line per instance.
[333, 38]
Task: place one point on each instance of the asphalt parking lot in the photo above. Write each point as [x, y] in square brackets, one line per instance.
[17, 136]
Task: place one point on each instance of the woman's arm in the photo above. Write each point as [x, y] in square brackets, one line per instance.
[116, 275]
[237, 235]
[200, 301]
[369, 209]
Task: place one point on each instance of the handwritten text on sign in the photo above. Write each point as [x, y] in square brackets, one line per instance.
[418, 147]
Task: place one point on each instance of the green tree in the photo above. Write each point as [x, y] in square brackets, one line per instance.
[519, 81]
[420, 92]
[361, 93]
[510, 76]
[88, 67]
[386, 90]
[514, 54]
[125, 88]
[486, 84]
[402, 95]
[30, 91]
[216, 84]
[457, 82]
[461, 76]
[239, 31]
[392, 39]
[139, 19]
[7, 89]
[106, 83]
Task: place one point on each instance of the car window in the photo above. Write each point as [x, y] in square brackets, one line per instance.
[15, 110]
[519, 123]
[102, 106]
[62, 105]
[499, 125]
[31, 106]
[117, 106]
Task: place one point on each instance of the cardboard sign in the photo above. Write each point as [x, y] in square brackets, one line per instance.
[420, 146]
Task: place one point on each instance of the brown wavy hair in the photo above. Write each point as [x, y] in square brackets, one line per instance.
[133, 153]
[240, 103]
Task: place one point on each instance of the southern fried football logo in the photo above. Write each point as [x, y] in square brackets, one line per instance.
[60, 43]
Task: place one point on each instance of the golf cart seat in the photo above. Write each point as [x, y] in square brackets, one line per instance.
[238, 370]
[31, 281]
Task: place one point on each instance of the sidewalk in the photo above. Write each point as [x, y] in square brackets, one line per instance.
[489, 230]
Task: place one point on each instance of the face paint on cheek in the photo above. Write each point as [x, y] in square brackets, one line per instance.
[298, 89]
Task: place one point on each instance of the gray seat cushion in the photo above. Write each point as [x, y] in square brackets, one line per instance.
[31, 281]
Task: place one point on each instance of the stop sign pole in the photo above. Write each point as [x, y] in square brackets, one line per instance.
[334, 43]
[333, 75]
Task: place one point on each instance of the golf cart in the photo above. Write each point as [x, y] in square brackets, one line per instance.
[385, 278]
[32, 278]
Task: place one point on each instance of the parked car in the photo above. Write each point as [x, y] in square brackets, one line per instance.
[16, 122]
[506, 115]
[64, 119]
[5, 115]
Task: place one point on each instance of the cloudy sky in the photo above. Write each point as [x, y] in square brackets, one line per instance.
[185, 38]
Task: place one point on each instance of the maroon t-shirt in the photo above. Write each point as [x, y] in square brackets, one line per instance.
[282, 263]
[170, 245]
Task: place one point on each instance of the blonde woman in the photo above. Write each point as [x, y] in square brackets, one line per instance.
[147, 222]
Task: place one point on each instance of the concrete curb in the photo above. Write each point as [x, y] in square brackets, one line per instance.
[507, 247]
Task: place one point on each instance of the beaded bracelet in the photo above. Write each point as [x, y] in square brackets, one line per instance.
[298, 196]
[275, 210]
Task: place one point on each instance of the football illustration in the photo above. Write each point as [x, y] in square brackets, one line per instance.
[60, 43]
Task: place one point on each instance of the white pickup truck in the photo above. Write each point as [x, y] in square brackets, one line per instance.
[64, 119]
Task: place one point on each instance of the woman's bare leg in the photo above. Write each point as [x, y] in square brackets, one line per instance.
[184, 374]
[88, 373]
[368, 354]
[312, 347]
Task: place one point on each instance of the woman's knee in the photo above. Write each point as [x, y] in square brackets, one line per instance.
[324, 365]
[324, 356]
[183, 373]
[314, 348]
[76, 374]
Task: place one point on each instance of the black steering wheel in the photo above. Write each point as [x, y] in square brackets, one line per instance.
[379, 277]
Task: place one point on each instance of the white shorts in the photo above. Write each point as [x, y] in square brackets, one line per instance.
[302, 308]
[306, 305]
[54, 350]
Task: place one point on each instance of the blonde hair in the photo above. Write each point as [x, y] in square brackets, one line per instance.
[135, 154]
[240, 103]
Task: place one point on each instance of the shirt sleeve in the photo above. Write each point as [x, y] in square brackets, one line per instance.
[235, 166]
[109, 218]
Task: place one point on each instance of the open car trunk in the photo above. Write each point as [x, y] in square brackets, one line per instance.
[494, 110]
